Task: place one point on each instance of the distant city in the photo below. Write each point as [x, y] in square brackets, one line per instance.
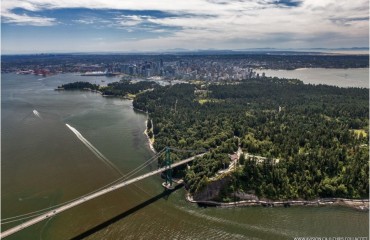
[207, 67]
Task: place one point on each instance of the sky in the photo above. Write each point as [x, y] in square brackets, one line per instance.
[57, 26]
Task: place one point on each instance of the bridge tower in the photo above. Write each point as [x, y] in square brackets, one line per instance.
[168, 164]
[168, 173]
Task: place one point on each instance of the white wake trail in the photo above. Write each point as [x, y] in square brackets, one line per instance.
[36, 113]
[93, 149]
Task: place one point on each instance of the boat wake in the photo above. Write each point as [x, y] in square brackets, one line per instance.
[93, 149]
[36, 113]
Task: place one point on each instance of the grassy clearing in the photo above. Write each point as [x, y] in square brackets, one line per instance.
[359, 132]
[130, 96]
[204, 100]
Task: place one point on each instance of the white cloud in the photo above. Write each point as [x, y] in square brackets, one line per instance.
[85, 21]
[24, 19]
[206, 22]
[129, 20]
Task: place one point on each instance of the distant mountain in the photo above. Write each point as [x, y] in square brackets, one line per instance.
[212, 51]
[176, 50]
[261, 50]
[331, 49]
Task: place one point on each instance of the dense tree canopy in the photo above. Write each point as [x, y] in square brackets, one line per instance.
[314, 139]
[121, 88]
[80, 86]
[318, 133]
[126, 87]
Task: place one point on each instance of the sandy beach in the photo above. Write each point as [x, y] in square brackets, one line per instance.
[150, 141]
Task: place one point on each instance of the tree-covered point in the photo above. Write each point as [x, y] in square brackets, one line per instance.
[80, 86]
[125, 87]
[121, 88]
[318, 133]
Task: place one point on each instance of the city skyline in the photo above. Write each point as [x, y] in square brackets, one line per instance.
[42, 26]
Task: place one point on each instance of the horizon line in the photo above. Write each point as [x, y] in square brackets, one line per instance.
[319, 50]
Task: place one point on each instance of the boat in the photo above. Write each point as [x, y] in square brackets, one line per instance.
[97, 73]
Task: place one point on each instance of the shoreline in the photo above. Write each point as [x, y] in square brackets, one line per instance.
[99, 92]
[150, 143]
[357, 204]
[308, 68]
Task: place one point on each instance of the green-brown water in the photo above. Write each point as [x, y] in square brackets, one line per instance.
[44, 163]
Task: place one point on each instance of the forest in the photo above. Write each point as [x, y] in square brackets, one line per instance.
[121, 88]
[318, 134]
[313, 138]
[79, 86]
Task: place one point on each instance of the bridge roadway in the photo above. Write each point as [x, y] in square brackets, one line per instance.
[67, 206]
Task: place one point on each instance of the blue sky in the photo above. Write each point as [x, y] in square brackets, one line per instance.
[37, 26]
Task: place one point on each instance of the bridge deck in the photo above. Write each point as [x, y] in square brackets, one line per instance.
[65, 207]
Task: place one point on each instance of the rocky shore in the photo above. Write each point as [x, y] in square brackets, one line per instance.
[359, 204]
[150, 141]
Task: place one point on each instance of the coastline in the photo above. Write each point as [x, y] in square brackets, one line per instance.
[150, 141]
[358, 204]
[97, 91]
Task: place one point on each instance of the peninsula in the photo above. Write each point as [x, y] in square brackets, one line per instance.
[269, 139]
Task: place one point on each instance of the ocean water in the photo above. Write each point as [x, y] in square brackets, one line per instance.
[45, 162]
[352, 77]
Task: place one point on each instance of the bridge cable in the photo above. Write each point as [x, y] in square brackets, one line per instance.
[41, 211]
[139, 168]
[134, 171]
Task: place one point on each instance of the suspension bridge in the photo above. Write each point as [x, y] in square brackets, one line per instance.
[43, 214]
